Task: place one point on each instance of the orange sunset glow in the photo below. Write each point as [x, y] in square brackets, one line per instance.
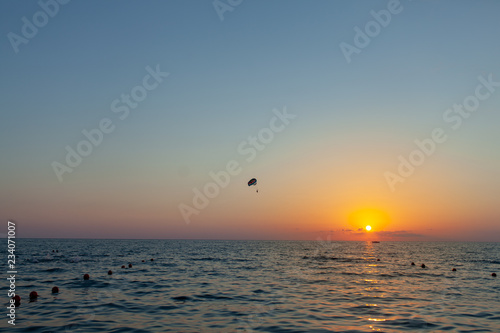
[370, 219]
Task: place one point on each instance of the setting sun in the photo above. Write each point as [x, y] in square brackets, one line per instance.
[369, 219]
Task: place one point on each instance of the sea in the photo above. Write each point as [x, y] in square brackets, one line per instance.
[253, 286]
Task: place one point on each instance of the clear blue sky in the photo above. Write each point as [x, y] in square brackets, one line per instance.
[225, 78]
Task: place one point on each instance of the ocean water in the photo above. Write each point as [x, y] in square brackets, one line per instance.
[255, 286]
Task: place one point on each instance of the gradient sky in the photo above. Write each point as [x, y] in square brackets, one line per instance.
[322, 176]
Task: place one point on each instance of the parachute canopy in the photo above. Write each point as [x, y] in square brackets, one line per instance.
[252, 182]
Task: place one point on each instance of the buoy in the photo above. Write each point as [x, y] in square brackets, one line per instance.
[454, 270]
[142, 260]
[110, 272]
[423, 265]
[494, 274]
[129, 265]
[55, 290]
[33, 295]
[412, 263]
[86, 277]
[152, 259]
[17, 300]
[123, 266]
[378, 259]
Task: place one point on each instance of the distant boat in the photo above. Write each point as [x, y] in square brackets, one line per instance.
[375, 242]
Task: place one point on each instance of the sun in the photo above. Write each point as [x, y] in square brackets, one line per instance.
[369, 219]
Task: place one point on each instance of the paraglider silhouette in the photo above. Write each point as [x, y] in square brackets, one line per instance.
[253, 182]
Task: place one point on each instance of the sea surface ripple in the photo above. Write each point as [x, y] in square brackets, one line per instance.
[255, 286]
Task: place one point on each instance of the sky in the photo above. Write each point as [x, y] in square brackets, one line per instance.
[147, 119]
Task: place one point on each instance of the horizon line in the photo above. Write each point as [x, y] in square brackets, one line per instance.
[268, 240]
